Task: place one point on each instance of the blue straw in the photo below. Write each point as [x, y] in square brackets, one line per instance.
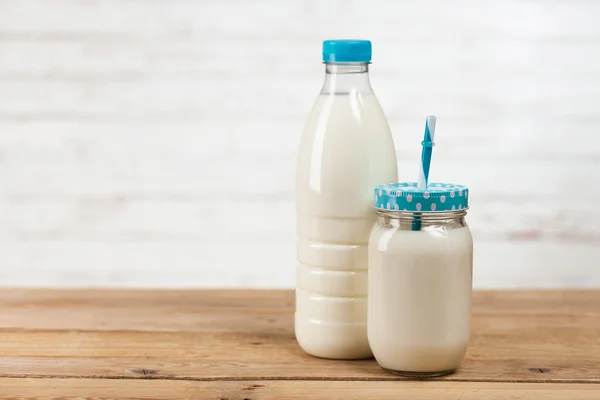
[426, 151]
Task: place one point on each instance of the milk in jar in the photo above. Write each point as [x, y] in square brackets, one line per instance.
[346, 149]
[420, 278]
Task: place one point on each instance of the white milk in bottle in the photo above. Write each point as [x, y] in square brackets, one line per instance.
[346, 149]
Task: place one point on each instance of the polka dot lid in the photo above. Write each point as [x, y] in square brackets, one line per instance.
[405, 196]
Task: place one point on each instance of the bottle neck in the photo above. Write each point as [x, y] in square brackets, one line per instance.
[346, 78]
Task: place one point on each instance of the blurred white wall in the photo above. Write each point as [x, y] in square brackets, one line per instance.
[152, 143]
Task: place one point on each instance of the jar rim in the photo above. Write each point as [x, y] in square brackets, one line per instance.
[451, 214]
[385, 210]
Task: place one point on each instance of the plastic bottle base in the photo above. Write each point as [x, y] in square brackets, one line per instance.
[339, 341]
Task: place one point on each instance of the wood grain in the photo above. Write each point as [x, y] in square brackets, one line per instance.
[40, 262]
[219, 343]
[93, 389]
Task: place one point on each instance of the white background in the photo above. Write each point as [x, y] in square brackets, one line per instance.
[153, 143]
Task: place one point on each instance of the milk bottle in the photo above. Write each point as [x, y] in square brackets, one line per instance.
[346, 149]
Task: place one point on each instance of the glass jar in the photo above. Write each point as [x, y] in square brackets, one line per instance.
[420, 279]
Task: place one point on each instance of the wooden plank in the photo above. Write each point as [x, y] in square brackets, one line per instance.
[257, 300]
[116, 309]
[213, 335]
[91, 389]
[149, 310]
[182, 166]
[125, 217]
[48, 142]
[81, 117]
[151, 261]
[172, 310]
[568, 357]
[82, 83]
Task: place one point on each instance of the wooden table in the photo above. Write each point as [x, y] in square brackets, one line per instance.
[240, 345]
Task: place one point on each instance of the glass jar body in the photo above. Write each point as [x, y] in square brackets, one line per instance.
[420, 283]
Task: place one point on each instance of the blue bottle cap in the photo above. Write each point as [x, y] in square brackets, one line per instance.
[405, 196]
[341, 51]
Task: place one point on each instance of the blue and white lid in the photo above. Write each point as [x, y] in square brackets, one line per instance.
[405, 196]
